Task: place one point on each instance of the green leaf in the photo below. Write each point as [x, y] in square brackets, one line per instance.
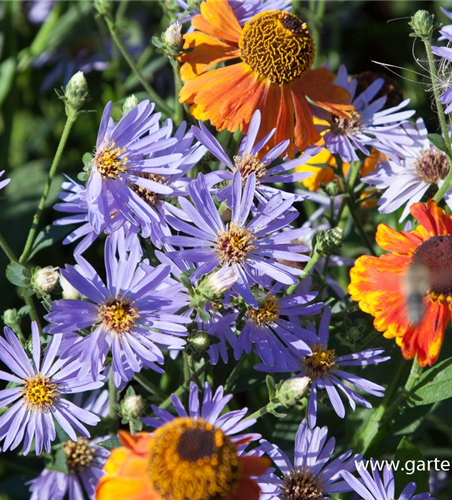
[412, 467]
[59, 462]
[434, 385]
[48, 237]
[438, 141]
[18, 275]
[111, 444]
[7, 70]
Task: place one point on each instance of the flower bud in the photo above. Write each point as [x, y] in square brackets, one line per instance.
[11, 318]
[76, 92]
[132, 407]
[332, 188]
[422, 24]
[173, 36]
[69, 292]
[292, 390]
[46, 279]
[328, 242]
[198, 342]
[130, 103]
[221, 281]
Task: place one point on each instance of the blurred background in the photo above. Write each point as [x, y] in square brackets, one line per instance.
[43, 43]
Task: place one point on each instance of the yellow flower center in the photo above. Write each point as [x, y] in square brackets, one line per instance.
[109, 162]
[248, 164]
[266, 314]
[78, 454]
[118, 316]
[40, 393]
[435, 255]
[278, 46]
[432, 166]
[234, 244]
[147, 195]
[192, 460]
[346, 126]
[301, 484]
[321, 361]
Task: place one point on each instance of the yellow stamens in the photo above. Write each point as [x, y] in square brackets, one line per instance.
[267, 313]
[78, 454]
[118, 315]
[234, 244]
[110, 163]
[248, 164]
[40, 393]
[192, 460]
[148, 196]
[301, 484]
[321, 362]
[278, 46]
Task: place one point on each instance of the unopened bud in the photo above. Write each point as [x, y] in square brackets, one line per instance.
[76, 92]
[198, 342]
[173, 35]
[422, 24]
[69, 292]
[221, 281]
[46, 279]
[132, 407]
[332, 188]
[11, 318]
[130, 103]
[292, 390]
[328, 242]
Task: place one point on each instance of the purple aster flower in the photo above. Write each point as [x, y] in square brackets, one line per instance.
[4, 182]
[274, 328]
[133, 315]
[325, 370]
[253, 248]
[375, 488]
[131, 166]
[243, 9]
[313, 474]
[249, 161]
[444, 70]
[407, 181]
[370, 125]
[232, 423]
[38, 10]
[85, 461]
[39, 396]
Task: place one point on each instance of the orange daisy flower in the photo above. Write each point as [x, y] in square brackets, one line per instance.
[185, 459]
[276, 52]
[382, 284]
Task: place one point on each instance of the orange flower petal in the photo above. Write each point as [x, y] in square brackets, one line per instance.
[318, 85]
[247, 489]
[305, 131]
[255, 466]
[138, 443]
[218, 19]
[433, 218]
[205, 52]
[399, 242]
[125, 489]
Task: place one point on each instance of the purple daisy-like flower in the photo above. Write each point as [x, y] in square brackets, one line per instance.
[313, 473]
[254, 249]
[373, 487]
[39, 398]
[4, 182]
[243, 9]
[85, 461]
[232, 423]
[248, 161]
[407, 181]
[274, 327]
[133, 315]
[446, 54]
[370, 124]
[132, 161]
[324, 368]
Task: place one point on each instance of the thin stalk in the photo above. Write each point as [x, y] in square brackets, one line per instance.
[70, 120]
[179, 108]
[233, 376]
[112, 27]
[112, 401]
[192, 369]
[149, 386]
[7, 249]
[312, 262]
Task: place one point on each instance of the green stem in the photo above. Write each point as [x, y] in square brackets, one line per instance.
[6, 248]
[70, 120]
[113, 28]
[192, 370]
[112, 401]
[233, 376]
[149, 386]
[442, 120]
[360, 227]
[180, 391]
[312, 262]
[179, 114]
[272, 405]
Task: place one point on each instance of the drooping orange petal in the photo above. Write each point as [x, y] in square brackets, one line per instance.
[433, 218]
[205, 52]
[255, 466]
[318, 85]
[399, 242]
[246, 489]
[285, 122]
[305, 131]
[138, 443]
[218, 19]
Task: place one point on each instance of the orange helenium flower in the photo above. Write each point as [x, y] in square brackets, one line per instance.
[276, 52]
[185, 459]
[380, 284]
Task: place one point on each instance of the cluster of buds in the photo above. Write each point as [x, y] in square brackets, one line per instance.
[330, 241]
[422, 24]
